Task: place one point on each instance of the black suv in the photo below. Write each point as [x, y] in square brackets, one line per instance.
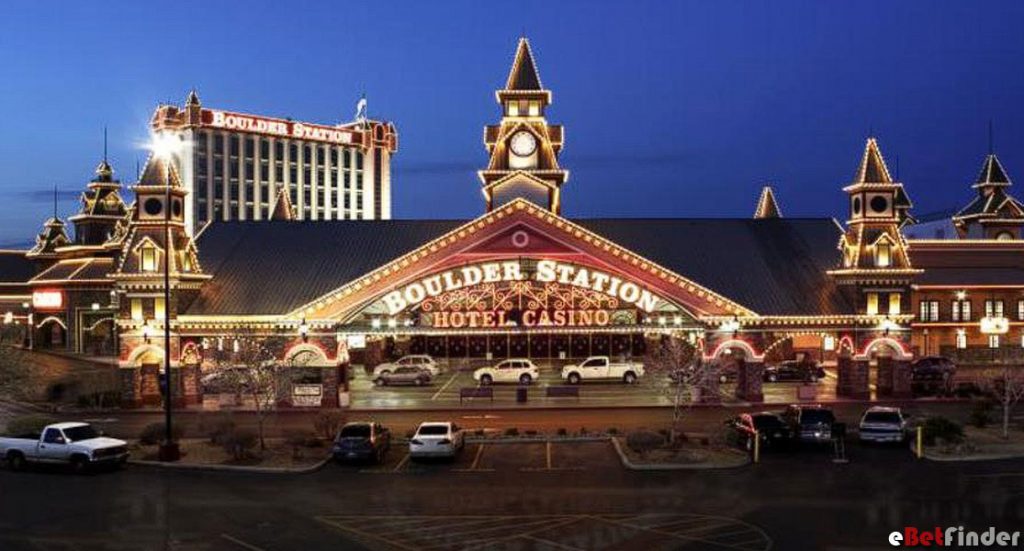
[810, 423]
[794, 370]
[771, 429]
[362, 442]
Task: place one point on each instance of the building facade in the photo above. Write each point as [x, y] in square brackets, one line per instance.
[521, 279]
[238, 166]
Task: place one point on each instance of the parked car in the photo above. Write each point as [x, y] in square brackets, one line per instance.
[771, 429]
[437, 439]
[413, 360]
[810, 423]
[602, 368]
[405, 375]
[362, 441]
[514, 370]
[794, 370]
[883, 424]
[76, 444]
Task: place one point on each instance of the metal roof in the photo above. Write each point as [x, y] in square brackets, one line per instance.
[772, 266]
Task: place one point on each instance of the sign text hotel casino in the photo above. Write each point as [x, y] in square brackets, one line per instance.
[547, 271]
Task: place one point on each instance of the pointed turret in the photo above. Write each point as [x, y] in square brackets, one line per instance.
[767, 207]
[193, 98]
[872, 169]
[102, 208]
[53, 236]
[524, 148]
[994, 213]
[282, 207]
[523, 75]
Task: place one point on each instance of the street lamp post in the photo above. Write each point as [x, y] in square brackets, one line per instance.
[163, 148]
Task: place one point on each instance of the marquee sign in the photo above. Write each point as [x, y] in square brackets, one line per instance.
[546, 271]
[47, 300]
[278, 127]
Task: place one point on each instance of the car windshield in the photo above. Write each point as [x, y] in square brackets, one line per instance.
[85, 432]
[433, 430]
[355, 431]
[816, 416]
[882, 417]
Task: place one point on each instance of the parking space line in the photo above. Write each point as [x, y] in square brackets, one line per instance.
[364, 534]
[401, 464]
[440, 390]
[479, 454]
[475, 466]
[241, 543]
[547, 542]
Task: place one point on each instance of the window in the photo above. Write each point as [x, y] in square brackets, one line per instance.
[148, 259]
[534, 108]
[993, 308]
[513, 108]
[894, 304]
[961, 339]
[961, 310]
[1020, 309]
[53, 436]
[929, 310]
[993, 341]
[137, 309]
[159, 308]
[872, 306]
[882, 255]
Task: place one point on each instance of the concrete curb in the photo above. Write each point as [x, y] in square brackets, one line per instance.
[932, 456]
[668, 466]
[230, 468]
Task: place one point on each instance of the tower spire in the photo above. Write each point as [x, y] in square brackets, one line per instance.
[767, 207]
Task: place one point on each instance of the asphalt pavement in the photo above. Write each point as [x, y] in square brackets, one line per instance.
[503, 498]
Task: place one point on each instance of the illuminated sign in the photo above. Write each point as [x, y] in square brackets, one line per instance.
[277, 127]
[547, 271]
[528, 318]
[994, 326]
[47, 300]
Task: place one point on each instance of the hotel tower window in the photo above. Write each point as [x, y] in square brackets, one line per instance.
[929, 310]
[993, 308]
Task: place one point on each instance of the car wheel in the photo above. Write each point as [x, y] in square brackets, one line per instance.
[723, 379]
[525, 379]
[629, 378]
[772, 378]
[418, 382]
[486, 380]
[78, 464]
[574, 378]
[16, 461]
[379, 381]
[750, 444]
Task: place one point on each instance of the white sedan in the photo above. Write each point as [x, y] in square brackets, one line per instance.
[437, 439]
[515, 370]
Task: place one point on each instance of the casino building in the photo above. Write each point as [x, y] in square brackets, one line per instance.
[236, 166]
[521, 279]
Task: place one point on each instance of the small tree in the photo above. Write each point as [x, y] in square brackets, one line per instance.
[251, 369]
[1008, 389]
[680, 361]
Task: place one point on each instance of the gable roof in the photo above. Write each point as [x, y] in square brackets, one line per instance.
[271, 268]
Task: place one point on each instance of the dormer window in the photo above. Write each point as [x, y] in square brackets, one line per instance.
[148, 258]
[883, 255]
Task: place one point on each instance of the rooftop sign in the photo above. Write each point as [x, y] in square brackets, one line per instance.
[276, 127]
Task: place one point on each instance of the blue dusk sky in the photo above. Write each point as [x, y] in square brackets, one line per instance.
[678, 109]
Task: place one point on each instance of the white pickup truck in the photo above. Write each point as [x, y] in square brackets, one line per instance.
[76, 444]
[602, 368]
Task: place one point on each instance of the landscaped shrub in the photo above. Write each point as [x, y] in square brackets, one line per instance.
[981, 414]
[100, 400]
[326, 424]
[613, 431]
[642, 442]
[563, 432]
[153, 433]
[512, 431]
[299, 439]
[239, 443]
[941, 429]
[28, 424]
[219, 428]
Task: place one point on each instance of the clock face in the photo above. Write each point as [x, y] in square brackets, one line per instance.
[523, 143]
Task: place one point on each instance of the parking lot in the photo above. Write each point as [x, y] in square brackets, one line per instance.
[502, 457]
[650, 390]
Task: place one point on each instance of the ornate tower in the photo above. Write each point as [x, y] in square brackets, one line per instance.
[523, 147]
[875, 262]
[994, 213]
[102, 208]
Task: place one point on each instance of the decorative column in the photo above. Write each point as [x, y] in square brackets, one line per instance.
[853, 378]
[329, 378]
[749, 380]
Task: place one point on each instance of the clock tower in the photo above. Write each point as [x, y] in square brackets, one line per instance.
[524, 148]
